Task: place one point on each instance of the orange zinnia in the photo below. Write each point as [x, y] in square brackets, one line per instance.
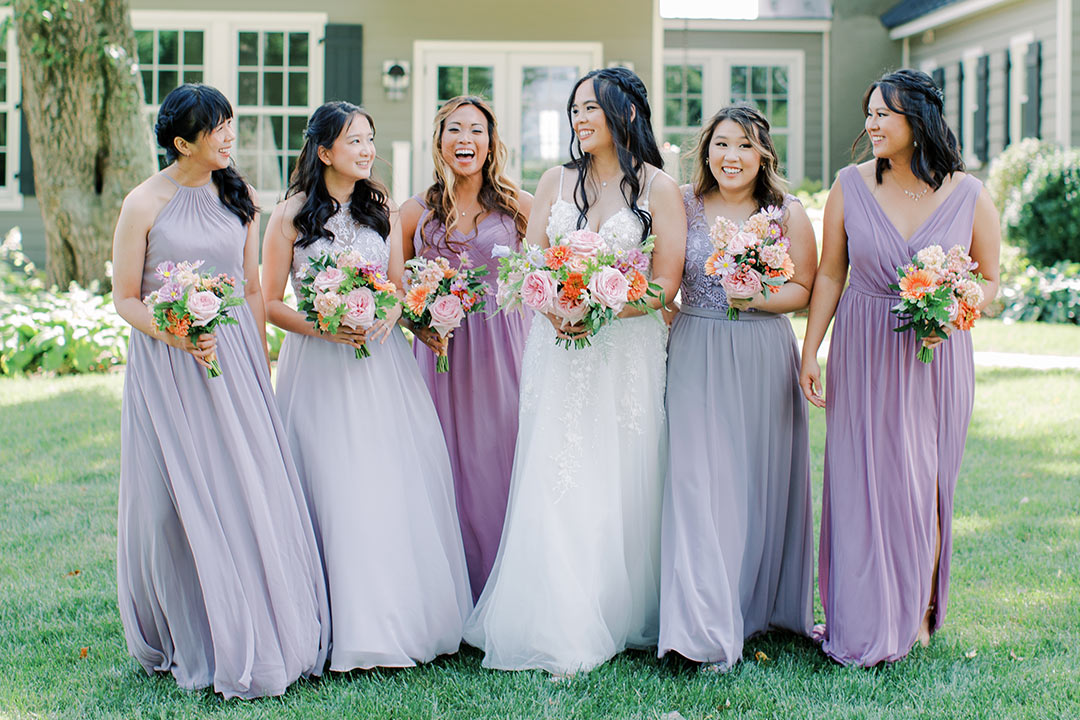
[573, 286]
[639, 285]
[914, 285]
[416, 299]
[556, 255]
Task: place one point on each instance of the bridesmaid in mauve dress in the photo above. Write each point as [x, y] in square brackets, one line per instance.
[218, 573]
[477, 400]
[896, 426]
[736, 543]
[364, 433]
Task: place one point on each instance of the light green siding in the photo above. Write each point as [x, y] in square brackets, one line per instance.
[1075, 75]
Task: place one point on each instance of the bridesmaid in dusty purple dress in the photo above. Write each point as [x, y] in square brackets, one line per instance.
[896, 427]
[470, 208]
[218, 575]
[736, 541]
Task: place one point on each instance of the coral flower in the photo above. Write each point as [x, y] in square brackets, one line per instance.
[416, 299]
[557, 255]
[573, 286]
[639, 285]
[914, 286]
[965, 319]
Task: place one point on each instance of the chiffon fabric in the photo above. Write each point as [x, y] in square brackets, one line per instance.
[737, 531]
[577, 575]
[371, 456]
[218, 574]
[477, 400]
[895, 438]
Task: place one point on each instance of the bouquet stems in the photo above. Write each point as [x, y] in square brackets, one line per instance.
[926, 354]
[442, 363]
[215, 368]
[362, 352]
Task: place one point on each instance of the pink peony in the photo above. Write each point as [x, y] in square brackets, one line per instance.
[446, 314]
[773, 256]
[326, 304]
[572, 312]
[740, 242]
[328, 280]
[722, 231]
[360, 312]
[743, 283]
[203, 306]
[538, 290]
[584, 242]
[610, 287]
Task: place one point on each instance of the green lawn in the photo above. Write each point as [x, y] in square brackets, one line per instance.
[1009, 648]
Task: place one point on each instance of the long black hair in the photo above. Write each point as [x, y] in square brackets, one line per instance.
[367, 205]
[620, 94]
[914, 95]
[189, 111]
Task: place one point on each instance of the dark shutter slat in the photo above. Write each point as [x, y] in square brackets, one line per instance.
[343, 51]
[960, 103]
[1008, 99]
[26, 161]
[1033, 107]
[982, 109]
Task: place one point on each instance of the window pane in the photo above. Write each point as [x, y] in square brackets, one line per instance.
[297, 124]
[3, 130]
[673, 111]
[298, 49]
[3, 168]
[780, 142]
[248, 90]
[144, 42]
[3, 84]
[193, 76]
[292, 164]
[148, 86]
[246, 128]
[169, 47]
[193, 47]
[693, 111]
[167, 82]
[779, 80]
[249, 48]
[673, 84]
[277, 124]
[759, 80]
[693, 79]
[779, 116]
[273, 88]
[480, 81]
[738, 81]
[762, 104]
[298, 88]
[450, 82]
[274, 49]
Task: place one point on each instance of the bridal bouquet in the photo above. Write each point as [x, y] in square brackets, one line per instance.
[345, 289]
[578, 279]
[438, 296]
[938, 291]
[189, 304]
[750, 259]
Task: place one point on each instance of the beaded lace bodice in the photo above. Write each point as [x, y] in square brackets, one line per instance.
[348, 235]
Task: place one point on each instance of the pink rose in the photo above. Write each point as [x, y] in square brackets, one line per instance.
[740, 242]
[327, 305]
[610, 287]
[538, 290]
[742, 284]
[360, 312]
[570, 313]
[203, 306]
[328, 280]
[773, 256]
[349, 259]
[584, 242]
[446, 314]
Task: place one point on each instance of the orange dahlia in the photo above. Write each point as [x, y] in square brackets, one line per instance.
[416, 299]
[914, 286]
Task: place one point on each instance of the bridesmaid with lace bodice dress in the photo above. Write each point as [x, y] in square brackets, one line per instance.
[217, 570]
[737, 528]
[576, 578]
[363, 431]
[470, 208]
[896, 427]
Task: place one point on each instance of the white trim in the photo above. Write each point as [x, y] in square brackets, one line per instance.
[970, 60]
[1063, 103]
[826, 96]
[928, 66]
[945, 16]
[262, 20]
[1017, 84]
[10, 197]
[905, 53]
[659, 92]
[759, 25]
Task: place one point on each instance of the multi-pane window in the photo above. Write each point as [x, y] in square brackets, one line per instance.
[168, 58]
[5, 111]
[454, 80]
[766, 87]
[10, 92]
[683, 103]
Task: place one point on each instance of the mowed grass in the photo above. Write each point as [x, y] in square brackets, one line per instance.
[1009, 648]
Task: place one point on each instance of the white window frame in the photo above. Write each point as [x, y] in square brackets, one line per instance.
[10, 197]
[970, 60]
[1018, 45]
[716, 90]
[221, 48]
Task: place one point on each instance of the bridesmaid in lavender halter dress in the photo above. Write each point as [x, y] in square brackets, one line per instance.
[218, 573]
[896, 427]
[477, 400]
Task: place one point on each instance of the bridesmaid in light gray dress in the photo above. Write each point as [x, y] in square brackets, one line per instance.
[736, 534]
[218, 575]
[364, 432]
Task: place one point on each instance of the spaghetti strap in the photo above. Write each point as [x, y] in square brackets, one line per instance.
[648, 186]
[562, 172]
[166, 176]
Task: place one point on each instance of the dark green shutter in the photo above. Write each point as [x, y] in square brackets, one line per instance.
[343, 51]
[982, 108]
[1032, 108]
[960, 103]
[26, 161]
[1007, 104]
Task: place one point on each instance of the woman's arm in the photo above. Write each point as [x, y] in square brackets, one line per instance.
[795, 293]
[540, 207]
[669, 252]
[381, 329]
[410, 214]
[986, 245]
[252, 289]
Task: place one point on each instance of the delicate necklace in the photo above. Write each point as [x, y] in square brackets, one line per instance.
[916, 197]
[465, 213]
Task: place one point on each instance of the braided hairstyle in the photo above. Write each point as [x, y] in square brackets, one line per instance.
[189, 111]
[622, 96]
[367, 205]
[914, 95]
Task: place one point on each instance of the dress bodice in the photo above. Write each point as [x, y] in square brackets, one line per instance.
[348, 235]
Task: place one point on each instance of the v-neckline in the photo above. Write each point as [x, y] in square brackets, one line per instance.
[601, 226]
[888, 220]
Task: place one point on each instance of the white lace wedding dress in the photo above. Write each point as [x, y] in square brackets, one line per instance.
[577, 575]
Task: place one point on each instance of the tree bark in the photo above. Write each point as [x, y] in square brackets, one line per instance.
[89, 136]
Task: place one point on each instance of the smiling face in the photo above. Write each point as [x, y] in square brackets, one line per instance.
[212, 148]
[353, 151]
[464, 141]
[588, 120]
[889, 131]
[733, 161]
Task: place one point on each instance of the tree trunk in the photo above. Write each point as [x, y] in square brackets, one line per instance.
[89, 136]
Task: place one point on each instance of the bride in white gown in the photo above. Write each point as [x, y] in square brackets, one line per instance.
[577, 575]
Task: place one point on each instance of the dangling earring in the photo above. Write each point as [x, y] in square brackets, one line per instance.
[915, 144]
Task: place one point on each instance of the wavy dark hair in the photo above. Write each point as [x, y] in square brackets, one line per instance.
[769, 186]
[914, 95]
[368, 202]
[620, 94]
[498, 193]
[189, 111]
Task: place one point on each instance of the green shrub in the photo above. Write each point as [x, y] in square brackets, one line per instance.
[1008, 170]
[72, 331]
[1042, 294]
[1046, 221]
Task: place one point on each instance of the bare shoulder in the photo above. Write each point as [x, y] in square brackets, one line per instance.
[525, 202]
[148, 198]
[664, 186]
[289, 207]
[867, 170]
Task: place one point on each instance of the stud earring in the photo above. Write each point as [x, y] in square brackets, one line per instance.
[915, 144]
